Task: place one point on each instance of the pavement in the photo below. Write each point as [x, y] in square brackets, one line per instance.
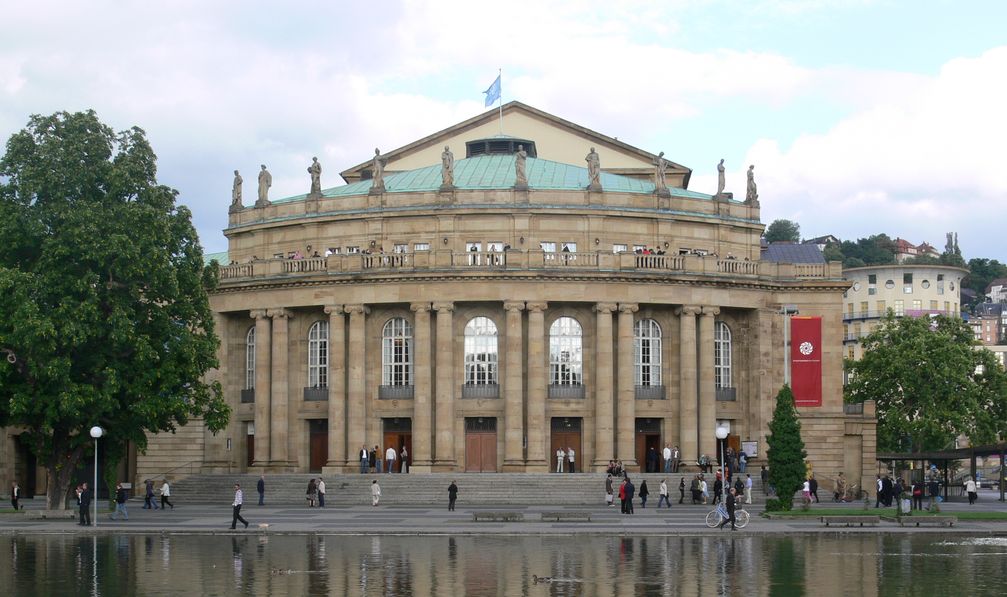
[397, 519]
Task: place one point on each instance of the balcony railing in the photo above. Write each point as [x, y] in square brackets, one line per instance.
[316, 394]
[727, 394]
[486, 390]
[571, 392]
[248, 396]
[570, 259]
[853, 408]
[848, 316]
[395, 392]
[650, 392]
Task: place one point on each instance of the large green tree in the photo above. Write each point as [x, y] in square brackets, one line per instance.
[783, 230]
[786, 450]
[930, 383]
[104, 316]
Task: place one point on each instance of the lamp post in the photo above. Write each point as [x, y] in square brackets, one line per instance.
[96, 432]
[787, 311]
[722, 432]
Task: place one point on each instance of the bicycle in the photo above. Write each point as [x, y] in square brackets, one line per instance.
[719, 514]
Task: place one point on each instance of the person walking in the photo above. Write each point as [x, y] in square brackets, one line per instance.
[662, 494]
[260, 486]
[609, 498]
[918, 495]
[120, 502]
[704, 489]
[666, 454]
[748, 489]
[812, 485]
[320, 488]
[365, 460]
[84, 500]
[622, 494]
[644, 492]
[681, 489]
[570, 460]
[391, 454]
[730, 503]
[311, 493]
[806, 492]
[376, 459]
[970, 488]
[239, 497]
[560, 457]
[452, 496]
[877, 496]
[15, 495]
[764, 475]
[166, 495]
[718, 490]
[630, 489]
[149, 499]
[404, 460]
[676, 459]
[375, 492]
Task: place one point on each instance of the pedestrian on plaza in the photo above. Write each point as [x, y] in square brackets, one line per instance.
[681, 490]
[718, 489]
[918, 495]
[764, 475]
[404, 460]
[666, 453]
[570, 460]
[970, 488]
[704, 488]
[320, 488]
[378, 460]
[704, 463]
[739, 489]
[806, 492]
[609, 499]
[452, 496]
[15, 494]
[120, 502]
[239, 497]
[877, 496]
[311, 493]
[662, 494]
[676, 459]
[390, 455]
[84, 500]
[260, 486]
[742, 462]
[813, 487]
[365, 460]
[375, 492]
[622, 494]
[629, 496]
[934, 491]
[651, 460]
[560, 458]
[731, 503]
[166, 495]
[694, 488]
[644, 492]
[887, 489]
[149, 499]
[748, 489]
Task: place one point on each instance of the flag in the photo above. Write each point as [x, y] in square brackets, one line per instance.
[806, 360]
[493, 92]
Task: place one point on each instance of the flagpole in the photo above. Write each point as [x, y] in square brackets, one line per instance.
[500, 76]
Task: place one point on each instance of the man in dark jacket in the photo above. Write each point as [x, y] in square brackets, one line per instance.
[120, 502]
[729, 503]
[261, 488]
[813, 486]
[85, 506]
[629, 496]
[452, 496]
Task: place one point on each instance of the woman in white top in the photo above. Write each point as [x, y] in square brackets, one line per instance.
[703, 489]
[970, 487]
[560, 457]
[806, 491]
[375, 493]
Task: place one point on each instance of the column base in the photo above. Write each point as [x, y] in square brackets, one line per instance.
[339, 468]
[600, 466]
[218, 467]
[444, 466]
[513, 466]
[537, 466]
[281, 466]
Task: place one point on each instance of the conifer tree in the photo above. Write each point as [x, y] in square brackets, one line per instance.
[786, 450]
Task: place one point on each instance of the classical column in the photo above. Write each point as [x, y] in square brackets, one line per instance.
[444, 447]
[707, 391]
[513, 389]
[263, 354]
[687, 416]
[626, 420]
[604, 374]
[337, 391]
[356, 398]
[422, 415]
[279, 432]
[537, 461]
[217, 458]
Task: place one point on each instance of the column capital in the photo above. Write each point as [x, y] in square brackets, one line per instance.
[606, 307]
[688, 310]
[279, 313]
[420, 307]
[356, 309]
[517, 306]
[258, 314]
[628, 307]
[538, 307]
[711, 311]
[447, 307]
[334, 310]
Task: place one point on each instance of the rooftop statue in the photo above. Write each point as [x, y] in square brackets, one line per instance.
[521, 174]
[593, 170]
[721, 181]
[265, 181]
[447, 167]
[752, 194]
[660, 174]
[315, 170]
[378, 172]
[236, 190]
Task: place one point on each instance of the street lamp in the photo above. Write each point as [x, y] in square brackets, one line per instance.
[787, 311]
[96, 432]
[722, 432]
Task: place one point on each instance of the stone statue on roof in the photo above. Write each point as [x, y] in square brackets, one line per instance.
[378, 172]
[447, 167]
[593, 170]
[660, 175]
[236, 190]
[721, 180]
[752, 193]
[521, 174]
[315, 170]
[265, 181]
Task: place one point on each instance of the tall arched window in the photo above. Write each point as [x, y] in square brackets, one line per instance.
[397, 353]
[647, 352]
[722, 355]
[566, 360]
[250, 359]
[480, 351]
[318, 355]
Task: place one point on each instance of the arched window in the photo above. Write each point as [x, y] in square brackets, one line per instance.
[647, 352]
[250, 359]
[722, 355]
[566, 360]
[397, 353]
[480, 351]
[318, 355]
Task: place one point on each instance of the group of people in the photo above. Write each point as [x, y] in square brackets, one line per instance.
[315, 492]
[150, 499]
[371, 461]
[566, 458]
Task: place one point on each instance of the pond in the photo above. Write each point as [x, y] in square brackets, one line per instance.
[735, 564]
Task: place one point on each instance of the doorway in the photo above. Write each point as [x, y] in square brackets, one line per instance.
[25, 468]
[318, 444]
[648, 445]
[398, 434]
[480, 445]
[565, 432]
[249, 443]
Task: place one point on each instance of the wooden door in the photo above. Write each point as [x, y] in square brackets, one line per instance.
[481, 452]
[318, 451]
[397, 439]
[565, 439]
[249, 449]
[644, 442]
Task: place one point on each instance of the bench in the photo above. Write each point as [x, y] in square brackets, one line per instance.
[935, 520]
[851, 520]
[497, 517]
[566, 517]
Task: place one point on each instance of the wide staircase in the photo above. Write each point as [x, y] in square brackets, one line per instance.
[532, 489]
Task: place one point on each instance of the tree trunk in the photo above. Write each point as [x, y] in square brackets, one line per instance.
[59, 475]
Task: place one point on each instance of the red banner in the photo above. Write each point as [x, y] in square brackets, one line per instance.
[806, 360]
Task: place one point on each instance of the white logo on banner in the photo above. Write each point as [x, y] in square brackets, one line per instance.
[807, 348]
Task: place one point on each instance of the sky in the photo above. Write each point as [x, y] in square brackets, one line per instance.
[860, 116]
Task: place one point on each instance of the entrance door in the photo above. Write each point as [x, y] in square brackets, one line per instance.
[565, 432]
[480, 445]
[318, 444]
[249, 443]
[25, 466]
[648, 445]
[398, 432]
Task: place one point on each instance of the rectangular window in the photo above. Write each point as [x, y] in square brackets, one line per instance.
[907, 283]
[849, 309]
[352, 250]
[940, 283]
[400, 248]
[569, 247]
[917, 305]
[947, 306]
[849, 353]
[900, 308]
[547, 247]
[333, 251]
[680, 251]
[881, 308]
[846, 330]
[418, 247]
[933, 306]
[474, 250]
[619, 249]
[864, 308]
[495, 253]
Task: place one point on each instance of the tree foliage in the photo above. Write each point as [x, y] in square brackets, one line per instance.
[102, 300]
[786, 449]
[878, 249]
[982, 271]
[783, 230]
[930, 384]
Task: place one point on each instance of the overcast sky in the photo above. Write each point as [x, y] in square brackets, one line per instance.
[860, 116]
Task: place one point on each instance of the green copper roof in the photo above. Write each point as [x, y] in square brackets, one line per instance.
[220, 257]
[498, 172]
